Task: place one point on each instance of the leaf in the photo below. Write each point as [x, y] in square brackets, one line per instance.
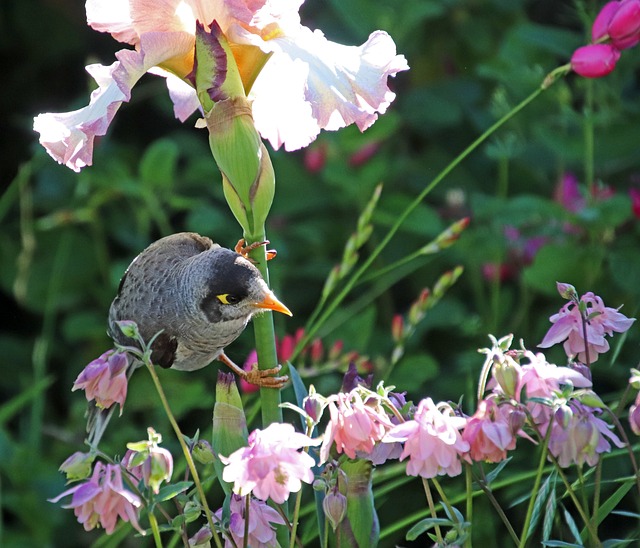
[158, 165]
[167, 492]
[549, 515]
[541, 499]
[496, 471]
[425, 525]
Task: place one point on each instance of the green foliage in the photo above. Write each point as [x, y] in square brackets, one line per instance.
[65, 238]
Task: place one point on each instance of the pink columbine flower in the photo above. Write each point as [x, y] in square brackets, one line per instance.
[634, 416]
[102, 499]
[578, 436]
[105, 379]
[149, 462]
[600, 321]
[594, 60]
[432, 441]
[271, 466]
[261, 533]
[543, 380]
[491, 431]
[309, 83]
[358, 421]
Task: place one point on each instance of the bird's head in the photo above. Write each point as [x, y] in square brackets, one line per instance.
[232, 288]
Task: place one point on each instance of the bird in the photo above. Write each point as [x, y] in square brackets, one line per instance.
[195, 297]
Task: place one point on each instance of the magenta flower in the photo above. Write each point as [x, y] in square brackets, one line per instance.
[271, 466]
[634, 416]
[307, 84]
[600, 321]
[620, 22]
[102, 499]
[432, 441]
[595, 60]
[358, 421]
[491, 431]
[578, 436]
[105, 379]
[261, 534]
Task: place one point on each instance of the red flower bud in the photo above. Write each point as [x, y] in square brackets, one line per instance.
[595, 60]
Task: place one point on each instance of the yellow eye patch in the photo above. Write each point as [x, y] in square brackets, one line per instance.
[227, 298]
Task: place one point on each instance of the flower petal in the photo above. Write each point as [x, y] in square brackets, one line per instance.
[328, 86]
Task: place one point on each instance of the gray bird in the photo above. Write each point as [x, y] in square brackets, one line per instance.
[200, 296]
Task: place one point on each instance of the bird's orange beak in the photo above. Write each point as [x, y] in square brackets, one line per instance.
[270, 302]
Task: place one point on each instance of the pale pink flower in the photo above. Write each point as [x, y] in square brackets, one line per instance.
[271, 466]
[578, 436]
[149, 462]
[543, 380]
[261, 533]
[600, 321]
[358, 421]
[102, 499]
[432, 439]
[491, 431]
[309, 83]
[105, 379]
[634, 416]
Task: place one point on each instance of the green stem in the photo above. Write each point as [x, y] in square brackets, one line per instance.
[185, 449]
[536, 488]
[588, 134]
[296, 514]
[469, 506]
[432, 509]
[154, 528]
[312, 329]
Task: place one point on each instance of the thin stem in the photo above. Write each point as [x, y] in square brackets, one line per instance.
[185, 449]
[492, 499]
[154, 528]
[312, 329]
[432, 509]
[444, 500]
[296, 514]
[247, 507]
[588, 135]
[469, 503]
[536, 487]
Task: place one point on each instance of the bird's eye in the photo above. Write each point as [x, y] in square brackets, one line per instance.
[228, 298]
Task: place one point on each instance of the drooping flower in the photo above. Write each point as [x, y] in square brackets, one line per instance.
[492, 430]
[432, 441]
[260, 532]
[102, 499]
[149, 462]
[271, 465]
[595, 60]
[105, 379]
[619, 22]
[578, 435]
[357, 422]
[600, 320]
[307, 84]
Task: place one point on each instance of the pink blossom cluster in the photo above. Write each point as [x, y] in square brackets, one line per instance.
[616, 28]
[102, 499]
[271, 465]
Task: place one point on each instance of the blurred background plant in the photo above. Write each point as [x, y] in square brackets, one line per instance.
[555, 196]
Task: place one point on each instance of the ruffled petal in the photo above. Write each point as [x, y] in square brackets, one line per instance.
[184, 97]
[311, 84]
[69, 137]
[113, 17]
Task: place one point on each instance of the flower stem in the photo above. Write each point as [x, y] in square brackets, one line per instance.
[311, 330]
[156, 531]
[185, 449]
[296, 515]
[536, 488]
[469, 506]
[432, 509]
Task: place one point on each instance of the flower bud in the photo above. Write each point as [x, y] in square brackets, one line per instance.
[600, 28]
[507, 375]
[335, 507]
[566, 291]
[594, 60]
[203, 452]
[129, 328]
[77, 466]
[634, 417]
[314, 405]
[201, 538]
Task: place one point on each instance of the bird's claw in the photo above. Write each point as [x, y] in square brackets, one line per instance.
[264, 377]
[244, 250]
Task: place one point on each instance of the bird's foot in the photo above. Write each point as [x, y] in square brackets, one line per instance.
[259, 377]
[244, 249]
[264, 377]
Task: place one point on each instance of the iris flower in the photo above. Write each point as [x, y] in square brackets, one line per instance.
[298, 81]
